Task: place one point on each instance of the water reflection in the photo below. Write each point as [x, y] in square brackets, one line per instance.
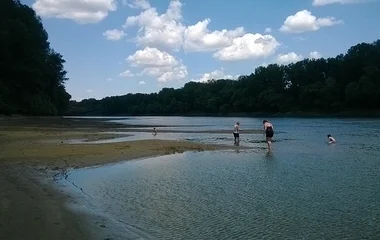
[302, 189]
[269, 155]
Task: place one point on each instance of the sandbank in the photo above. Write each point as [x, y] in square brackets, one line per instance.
[34, 150]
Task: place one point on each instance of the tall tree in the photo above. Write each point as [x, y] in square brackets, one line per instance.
[32, 74]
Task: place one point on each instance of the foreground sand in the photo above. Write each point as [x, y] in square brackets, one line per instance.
[30, 147]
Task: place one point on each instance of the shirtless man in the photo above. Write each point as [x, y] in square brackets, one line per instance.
[269, 132]
[331, 139]
[236, 132]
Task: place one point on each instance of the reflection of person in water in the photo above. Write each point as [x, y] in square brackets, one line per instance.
[269, 132]
[154, 131]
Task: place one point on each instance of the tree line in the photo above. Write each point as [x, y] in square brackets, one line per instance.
[32, 74]
[348, 82]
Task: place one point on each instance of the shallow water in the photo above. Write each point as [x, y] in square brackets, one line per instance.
[305, 189]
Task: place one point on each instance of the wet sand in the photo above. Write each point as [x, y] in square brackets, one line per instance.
[33, 151]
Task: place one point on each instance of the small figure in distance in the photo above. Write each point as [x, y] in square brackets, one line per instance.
[154, 131]
[236, 133]
[269, 132]
[331, 139]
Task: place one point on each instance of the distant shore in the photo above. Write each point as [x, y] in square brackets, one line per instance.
[297, 114]
[33, 150]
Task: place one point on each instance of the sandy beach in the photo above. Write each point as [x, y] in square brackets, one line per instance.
[34, 150]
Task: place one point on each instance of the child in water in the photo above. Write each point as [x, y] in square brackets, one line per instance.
[331, 139]
[154, 131]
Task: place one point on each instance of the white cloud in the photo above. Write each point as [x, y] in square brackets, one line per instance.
[304, 21]
[268, 30]
[315, 55]
[156, 30]
[217, 74]
[199, 38]
[177, 73]
[89, 91]
[114, 34]
[143, 4]
[126, 73]
[80, 11]
[159, 64]
[249, 46]
[291, 57]
[142, 82]
[167, 31]
[318, 3]
[152, 57]
[109, 79]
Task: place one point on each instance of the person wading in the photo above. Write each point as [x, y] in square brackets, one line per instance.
[236, 132]
[269, 132]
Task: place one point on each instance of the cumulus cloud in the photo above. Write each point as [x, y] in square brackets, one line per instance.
[114, 34]
[126, 73]
[156, 30]
[143, 4]
[291, 57]
[159, 64]
[109, 79]
[249, 46]
[199, 38]
[177, 73]
[168, 31]
[142, 82]
[80, 11]
[318, 3]
[89, 91]
[152, 57]
[216, 74]
[304, 21]
[315, 55]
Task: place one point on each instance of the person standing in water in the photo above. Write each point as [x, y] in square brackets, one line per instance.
[236, 132]
[269, 132]
[154, 131]
[331, 139]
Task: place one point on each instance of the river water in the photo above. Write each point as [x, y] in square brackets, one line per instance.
[304, 189]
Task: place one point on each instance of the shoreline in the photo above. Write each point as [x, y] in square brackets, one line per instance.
[55, 210]
[299, 114]
[33, 159]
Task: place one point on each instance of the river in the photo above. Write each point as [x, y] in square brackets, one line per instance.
[305, 189]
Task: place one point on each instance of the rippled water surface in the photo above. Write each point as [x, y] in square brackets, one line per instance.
[305, 189]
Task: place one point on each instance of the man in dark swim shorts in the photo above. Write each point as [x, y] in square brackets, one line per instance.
[236, 132]
[269, 132]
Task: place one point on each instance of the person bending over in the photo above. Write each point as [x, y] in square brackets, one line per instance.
[331, 139]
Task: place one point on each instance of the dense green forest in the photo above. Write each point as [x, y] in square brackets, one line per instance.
[348, 82]
[32, 75]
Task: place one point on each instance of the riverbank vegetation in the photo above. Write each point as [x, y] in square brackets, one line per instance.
[346, 83]
[32, 74]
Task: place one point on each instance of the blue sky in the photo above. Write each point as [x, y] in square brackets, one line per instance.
[115, 47]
